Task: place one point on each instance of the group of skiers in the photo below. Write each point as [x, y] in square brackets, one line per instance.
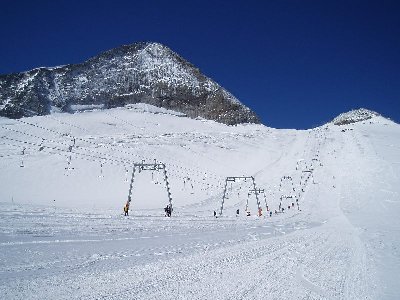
[168, 209]
[281, 209]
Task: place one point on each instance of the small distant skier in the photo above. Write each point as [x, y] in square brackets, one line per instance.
[237, 212]
[270, 213]
[168, 210]
[126, 209]
[215, 214]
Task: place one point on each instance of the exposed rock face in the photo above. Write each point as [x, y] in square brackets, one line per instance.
[354, 116]
[138, 73]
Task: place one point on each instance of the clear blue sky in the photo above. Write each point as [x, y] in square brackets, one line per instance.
[296, 63]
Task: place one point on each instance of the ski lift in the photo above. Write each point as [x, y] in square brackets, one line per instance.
[191, 185]
[22, 159]
[41, 147]
[68, 167]
[101, 170]
[126, 174]
[185, 179]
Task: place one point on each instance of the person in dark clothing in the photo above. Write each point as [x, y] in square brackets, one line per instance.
[126, 209]
[168, 210]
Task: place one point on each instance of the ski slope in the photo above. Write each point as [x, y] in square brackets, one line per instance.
[65, 178]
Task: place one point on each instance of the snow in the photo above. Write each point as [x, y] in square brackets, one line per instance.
[63, 234]
[80, 108]
[354, 116]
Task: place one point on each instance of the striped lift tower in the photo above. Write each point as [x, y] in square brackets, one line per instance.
[233, 179]
[150, 167]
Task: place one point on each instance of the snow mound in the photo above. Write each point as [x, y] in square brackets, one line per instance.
[143, 107]
[354, 116]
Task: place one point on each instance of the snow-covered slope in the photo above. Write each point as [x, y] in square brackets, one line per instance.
[64, 179]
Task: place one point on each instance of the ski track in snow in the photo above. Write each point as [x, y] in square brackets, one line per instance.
[64, 237]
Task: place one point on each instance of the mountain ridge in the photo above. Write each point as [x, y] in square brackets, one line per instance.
[354, 116]
[144, 72]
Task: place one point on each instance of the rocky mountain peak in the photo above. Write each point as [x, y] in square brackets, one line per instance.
[354, 116]
[144, 72]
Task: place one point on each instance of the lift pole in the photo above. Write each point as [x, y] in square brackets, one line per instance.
[150, 167]
[233, 179]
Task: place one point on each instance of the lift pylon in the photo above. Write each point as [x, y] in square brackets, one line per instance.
[233, 179]
[150, 167]
[261, 191]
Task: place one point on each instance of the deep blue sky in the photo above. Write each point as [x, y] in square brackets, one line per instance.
[296, 63]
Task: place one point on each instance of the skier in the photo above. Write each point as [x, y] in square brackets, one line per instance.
[237, 212]
[215, 214]
[168, 210]
[126, 209]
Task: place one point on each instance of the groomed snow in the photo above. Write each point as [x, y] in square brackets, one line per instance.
[63, 234]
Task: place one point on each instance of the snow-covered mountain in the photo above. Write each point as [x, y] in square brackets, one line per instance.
[354, 116]
[139, 73]
[65, 178]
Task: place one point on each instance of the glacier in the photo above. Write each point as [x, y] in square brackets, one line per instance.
[65, 178]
